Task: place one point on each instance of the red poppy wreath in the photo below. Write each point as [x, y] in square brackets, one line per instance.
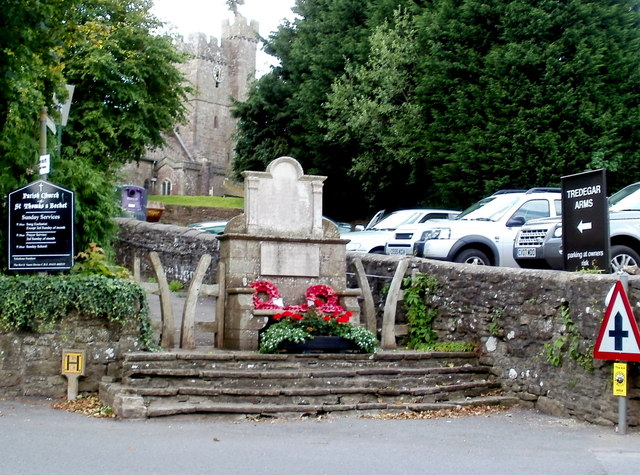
[266, 296]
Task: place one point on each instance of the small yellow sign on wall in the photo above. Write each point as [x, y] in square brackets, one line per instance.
[620, 379]
[73, 362]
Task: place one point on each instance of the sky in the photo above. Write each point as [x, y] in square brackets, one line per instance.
[206, 16]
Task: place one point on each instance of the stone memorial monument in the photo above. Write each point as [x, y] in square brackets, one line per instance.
[283, 239]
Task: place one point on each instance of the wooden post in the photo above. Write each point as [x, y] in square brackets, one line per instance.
[389, 317]
[168, 332]
[220, 304]
[368, 304]
[136, 269]
[187, 334]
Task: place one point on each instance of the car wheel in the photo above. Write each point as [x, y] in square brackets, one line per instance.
[623, 256]
[377, 250]
[473, 256]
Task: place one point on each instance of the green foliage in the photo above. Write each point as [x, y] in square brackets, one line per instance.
[93, 261]
[569, 343]
[448, 346]
[34, 303]
[283, 114]
[297, 328]
[373, 108]
[417, 289]
[494, 326]
[176, 286]
[450, 101]
[128, 90]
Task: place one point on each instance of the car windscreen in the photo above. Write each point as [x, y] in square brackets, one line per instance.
[491, 208]
[627, 199]
[397, 218]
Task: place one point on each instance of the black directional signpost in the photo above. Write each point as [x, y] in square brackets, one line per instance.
[585, 221]
[41, 231]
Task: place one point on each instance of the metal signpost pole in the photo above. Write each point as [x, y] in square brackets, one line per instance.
[620, 375]
[43, 134]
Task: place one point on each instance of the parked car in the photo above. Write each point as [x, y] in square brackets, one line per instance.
[538, 244]
[484, 233]
[218, 227]
[375, 236]
[213, 227]
[406, 235]
[342, 226]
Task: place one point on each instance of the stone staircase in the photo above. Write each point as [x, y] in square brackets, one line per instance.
[247, 383]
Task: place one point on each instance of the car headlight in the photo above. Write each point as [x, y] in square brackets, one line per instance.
[557, 233]
[438, 233]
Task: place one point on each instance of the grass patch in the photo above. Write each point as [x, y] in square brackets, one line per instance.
[205, 201]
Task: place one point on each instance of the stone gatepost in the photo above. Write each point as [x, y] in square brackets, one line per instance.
[281, 238]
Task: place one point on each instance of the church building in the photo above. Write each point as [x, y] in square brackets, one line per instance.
[197, 158]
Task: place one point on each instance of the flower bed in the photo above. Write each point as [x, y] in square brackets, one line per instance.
[300, 328]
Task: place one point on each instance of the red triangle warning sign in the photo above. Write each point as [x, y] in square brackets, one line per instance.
[619, 336]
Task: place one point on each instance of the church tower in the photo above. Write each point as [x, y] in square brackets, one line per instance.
[198, 156]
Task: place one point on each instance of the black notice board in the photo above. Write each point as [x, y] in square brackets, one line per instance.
[41, 227]
[585, 221]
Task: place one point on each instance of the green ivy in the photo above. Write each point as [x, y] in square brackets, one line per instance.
[568, 344]
[494, 326]
[419, 316]
[34, 303]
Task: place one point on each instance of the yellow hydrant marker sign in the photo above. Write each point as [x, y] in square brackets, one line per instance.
[73, 362]
[620, 379]
[72, 368]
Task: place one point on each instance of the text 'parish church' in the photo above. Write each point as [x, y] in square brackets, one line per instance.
[198, 156]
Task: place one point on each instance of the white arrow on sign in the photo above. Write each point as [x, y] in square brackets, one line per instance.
[583, 226]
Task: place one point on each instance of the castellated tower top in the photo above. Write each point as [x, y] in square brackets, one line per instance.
[240, 29]
[199, 47]
[210, 49]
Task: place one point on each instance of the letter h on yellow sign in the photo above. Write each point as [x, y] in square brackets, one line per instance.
[73, 362]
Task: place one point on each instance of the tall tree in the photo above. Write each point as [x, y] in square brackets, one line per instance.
[373, 109]
[283, 114]
[520, 93]
[483, 94]
[127, 91]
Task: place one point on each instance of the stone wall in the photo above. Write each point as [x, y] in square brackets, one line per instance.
[511, 313]
[178, 247]
[31, 363]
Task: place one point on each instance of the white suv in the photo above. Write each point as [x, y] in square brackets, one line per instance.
[484, 233]
[377, 233]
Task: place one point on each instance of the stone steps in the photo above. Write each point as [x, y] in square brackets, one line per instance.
[168, 383]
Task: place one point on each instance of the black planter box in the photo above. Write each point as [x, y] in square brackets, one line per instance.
[321, 344]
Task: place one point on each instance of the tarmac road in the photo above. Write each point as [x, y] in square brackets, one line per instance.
[36, 439]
